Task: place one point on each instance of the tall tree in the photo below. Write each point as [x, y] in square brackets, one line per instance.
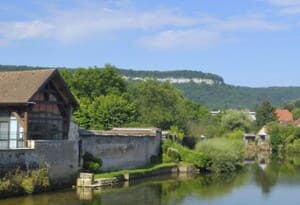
[93, 82]
[236, 120]
[265, 113]
[159, 104]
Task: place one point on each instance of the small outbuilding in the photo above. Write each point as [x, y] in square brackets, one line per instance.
[263, 135]
[249, 137]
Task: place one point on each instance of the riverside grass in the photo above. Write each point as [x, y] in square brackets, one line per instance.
[144, 170]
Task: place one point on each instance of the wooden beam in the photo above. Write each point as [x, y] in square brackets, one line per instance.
[25, 128]
[19, 119]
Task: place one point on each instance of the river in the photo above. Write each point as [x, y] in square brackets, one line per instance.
[277, 183]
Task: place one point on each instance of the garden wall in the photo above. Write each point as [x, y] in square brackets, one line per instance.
[122, 148]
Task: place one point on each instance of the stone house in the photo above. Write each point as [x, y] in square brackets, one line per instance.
[35, 119]
[34, 105]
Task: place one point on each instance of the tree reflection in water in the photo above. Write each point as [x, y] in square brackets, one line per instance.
[278, 175]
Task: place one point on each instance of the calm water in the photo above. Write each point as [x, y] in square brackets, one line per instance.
[277, 183]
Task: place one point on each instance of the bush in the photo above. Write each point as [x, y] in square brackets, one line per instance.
[91, 163]
[236, 135]
[293, 148]
[283, 137]
[27, 185]
[224, 155]
[184, 154]
[173, 154]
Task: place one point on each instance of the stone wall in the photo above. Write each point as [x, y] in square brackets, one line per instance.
[122, 149]
[60, 156]
[119, 149]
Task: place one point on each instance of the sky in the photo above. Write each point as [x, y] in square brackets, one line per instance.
[252, 43]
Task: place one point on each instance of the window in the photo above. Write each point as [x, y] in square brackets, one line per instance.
[4, 135]
[11, 133]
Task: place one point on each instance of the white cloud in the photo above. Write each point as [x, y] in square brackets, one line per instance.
[76, 23]
[247, 23]
[170, 28]
[213, 32]
[287, 7]
[182, 39]
[23, 30]
[291, 10]
[284, 2]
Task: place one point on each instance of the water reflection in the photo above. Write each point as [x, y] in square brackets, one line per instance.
[277, 182]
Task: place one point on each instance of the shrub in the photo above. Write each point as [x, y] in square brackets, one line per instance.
[27, 185]
[173, 154]
[40, 179]
[91, 163]
[184, 154]
[293, 148]
[224, 155]
[236, 135]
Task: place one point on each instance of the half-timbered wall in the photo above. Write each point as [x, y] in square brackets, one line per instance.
[48, 115]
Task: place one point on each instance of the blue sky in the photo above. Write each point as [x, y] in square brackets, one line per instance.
[248, 42]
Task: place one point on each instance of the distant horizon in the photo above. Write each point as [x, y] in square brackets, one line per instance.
[160, 70]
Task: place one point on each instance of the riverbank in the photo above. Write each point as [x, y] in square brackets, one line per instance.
[115, 177]
[263, 185]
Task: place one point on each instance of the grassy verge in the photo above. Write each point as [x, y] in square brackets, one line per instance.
[134, 171]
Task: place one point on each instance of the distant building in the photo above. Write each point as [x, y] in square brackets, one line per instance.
[263, 135]
[215, 112]
[284, 116]
[252, 116]
[249, 137]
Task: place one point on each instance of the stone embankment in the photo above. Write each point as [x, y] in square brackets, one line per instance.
[88, 180]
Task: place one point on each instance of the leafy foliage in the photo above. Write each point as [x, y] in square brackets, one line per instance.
[236, 120]
[265, 113]
[158, 104]
[94, 82]
[224, 96]
[91, 163]
[224, 155]
[25, 182]
[282, 136]
[196, 158]
[111, 111]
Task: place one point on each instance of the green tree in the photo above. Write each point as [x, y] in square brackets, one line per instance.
[111, 111]
[159, 104]
[93, 82]
[236, 120]
[82, 115]
[265, 113]
[296, 113]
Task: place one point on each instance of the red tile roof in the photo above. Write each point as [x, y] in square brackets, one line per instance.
[284, 115]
